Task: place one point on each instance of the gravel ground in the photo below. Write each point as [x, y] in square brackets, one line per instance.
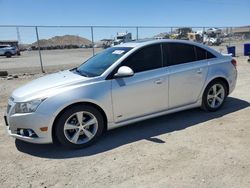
[186, 149]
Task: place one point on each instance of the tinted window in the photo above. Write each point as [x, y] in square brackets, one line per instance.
[209, 55]
[203, 54]
[145, 59]
[181, 53]
[166, 56]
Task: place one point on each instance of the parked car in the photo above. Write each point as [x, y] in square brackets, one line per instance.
[211, 41]
[8, 51]
[214, 31]
[120, 85]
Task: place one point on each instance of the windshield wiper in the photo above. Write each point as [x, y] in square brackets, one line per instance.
[81, 73]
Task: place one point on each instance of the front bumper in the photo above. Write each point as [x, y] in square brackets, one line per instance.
[29, 139]
[32, 121]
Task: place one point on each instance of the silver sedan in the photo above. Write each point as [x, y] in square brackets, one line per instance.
[121, 85]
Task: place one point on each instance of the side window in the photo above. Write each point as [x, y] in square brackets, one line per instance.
[147, 58]
[200, 53]
[166, 56]
[203, 54]
[181, 53]
[209, 55]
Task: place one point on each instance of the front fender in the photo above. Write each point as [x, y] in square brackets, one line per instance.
[97, 93]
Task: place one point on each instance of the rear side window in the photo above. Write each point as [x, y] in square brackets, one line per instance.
[178, 53]
[147, 58]
[203, 54]
[210, 55]
[181, 53]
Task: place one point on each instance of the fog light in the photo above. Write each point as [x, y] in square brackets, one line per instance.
[27, 133]
[21, 131]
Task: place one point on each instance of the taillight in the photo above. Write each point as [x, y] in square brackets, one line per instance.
[234, 62]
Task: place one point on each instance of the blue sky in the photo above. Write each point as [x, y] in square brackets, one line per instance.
[114, 12]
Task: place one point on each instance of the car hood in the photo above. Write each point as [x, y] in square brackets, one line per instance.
[47, 85]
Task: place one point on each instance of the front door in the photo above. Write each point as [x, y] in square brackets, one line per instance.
[145, 92]
[139, 95]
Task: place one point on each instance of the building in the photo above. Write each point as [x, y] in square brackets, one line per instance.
[241, 31]
[9, 42]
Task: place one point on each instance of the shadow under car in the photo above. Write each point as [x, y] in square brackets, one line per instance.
[147, 129]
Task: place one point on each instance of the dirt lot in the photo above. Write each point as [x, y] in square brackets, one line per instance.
[53, 60]
[186, 149]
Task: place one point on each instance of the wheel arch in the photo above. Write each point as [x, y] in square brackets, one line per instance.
[8, 52]
[221, 78]
[74, 104]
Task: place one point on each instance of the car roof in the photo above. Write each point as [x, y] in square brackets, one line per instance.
[145, 42]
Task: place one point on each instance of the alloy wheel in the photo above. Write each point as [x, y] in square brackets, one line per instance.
[216, 95]
[80, 127]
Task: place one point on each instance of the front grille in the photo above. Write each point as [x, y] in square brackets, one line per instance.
[8, 108]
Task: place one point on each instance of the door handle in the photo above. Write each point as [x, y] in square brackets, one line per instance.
[199, 71]
[158, 81]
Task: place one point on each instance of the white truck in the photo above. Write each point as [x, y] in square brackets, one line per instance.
[122, 38]
[212, 37]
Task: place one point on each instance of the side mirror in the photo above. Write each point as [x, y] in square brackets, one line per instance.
[124, 71]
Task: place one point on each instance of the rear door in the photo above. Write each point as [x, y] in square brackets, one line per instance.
[187, 73]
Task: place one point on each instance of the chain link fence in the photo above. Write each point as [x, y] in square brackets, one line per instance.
[53, 48]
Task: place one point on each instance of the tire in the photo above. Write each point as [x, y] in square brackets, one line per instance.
[8, 54]
[214, 96]
[68, 127]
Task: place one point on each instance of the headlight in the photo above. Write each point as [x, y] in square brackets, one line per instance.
[27, 107]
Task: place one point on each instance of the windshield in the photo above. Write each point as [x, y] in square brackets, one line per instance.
[97, 64]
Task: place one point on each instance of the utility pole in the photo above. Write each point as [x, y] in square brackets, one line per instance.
[39, 50]
[18, 35]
